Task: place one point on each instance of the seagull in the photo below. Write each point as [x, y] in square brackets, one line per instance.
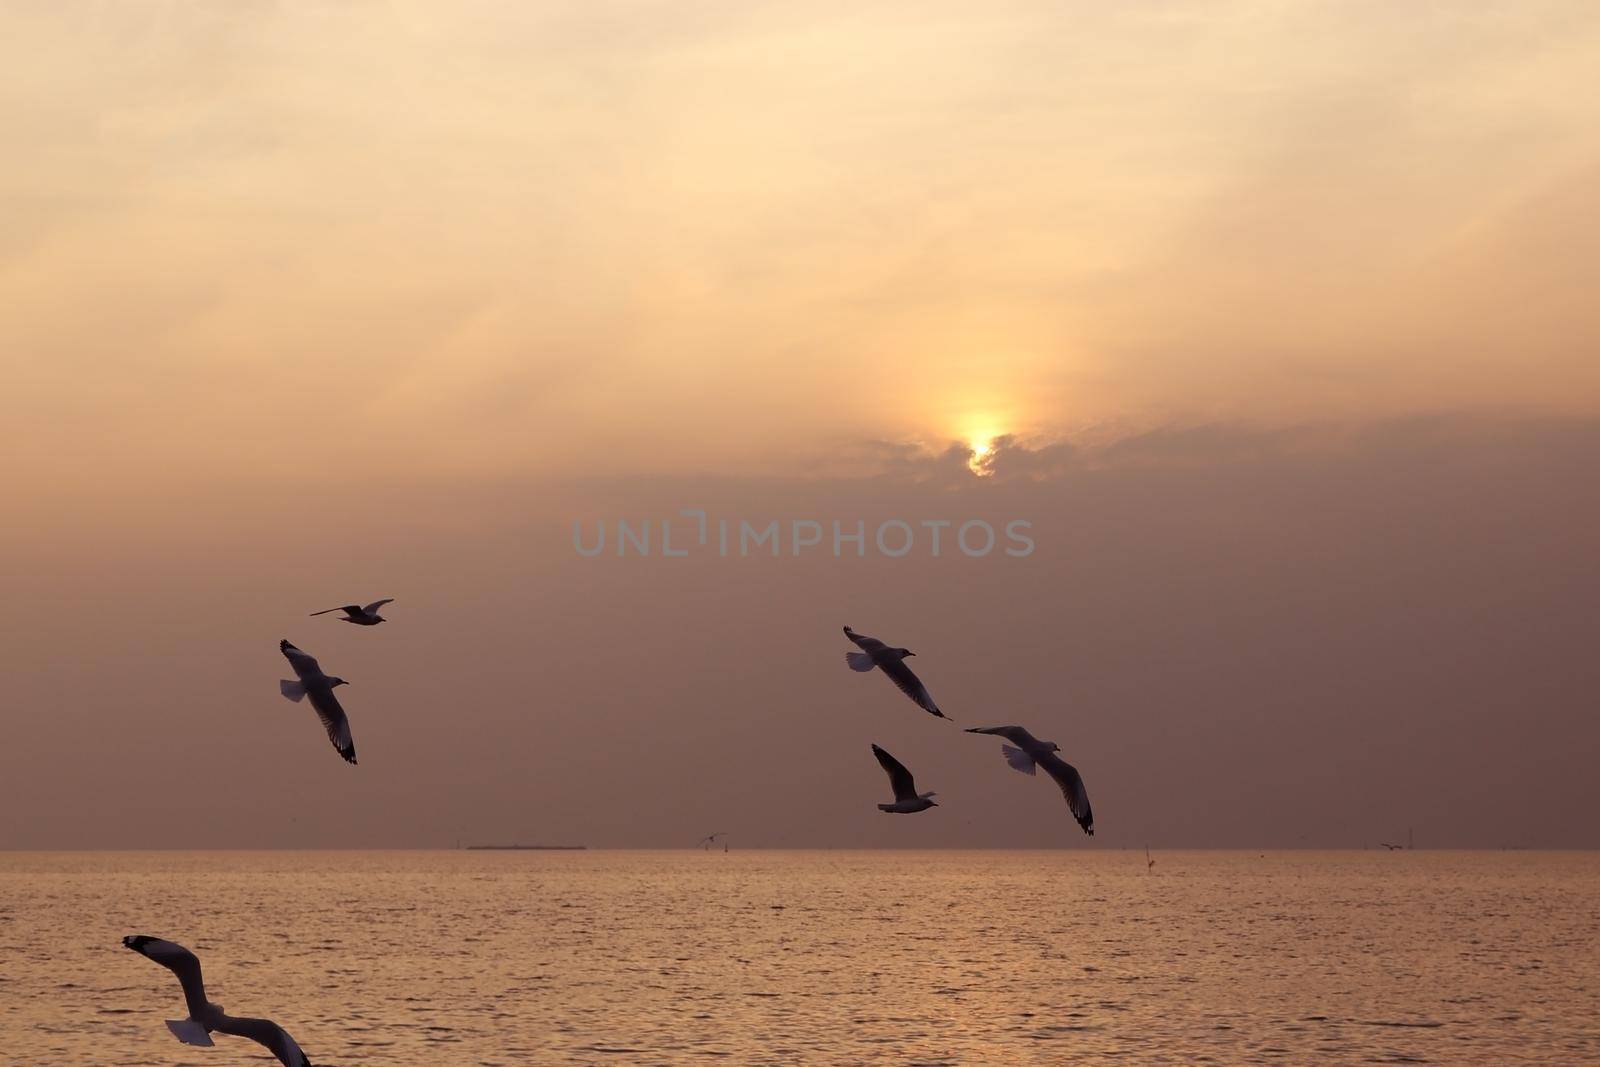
[711, 839]
[1030, 752]
[319, 687]
[361, 616]
[1391, 848]
[891, 661]
[206, 1017]
[907, 801]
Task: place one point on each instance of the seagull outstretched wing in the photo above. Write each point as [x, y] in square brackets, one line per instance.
[866, 644]
[900, 780]
[1071, 783]
[268, 1033]
[334, 721]
[906, 680]
[305, 664]
[177, 959]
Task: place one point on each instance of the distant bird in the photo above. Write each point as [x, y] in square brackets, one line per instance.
[206, 1017]
[891, 661]
[1392, 848]
[1029, 752]
[711, 839]
[361, 616]
[907, 800]
[319, 687]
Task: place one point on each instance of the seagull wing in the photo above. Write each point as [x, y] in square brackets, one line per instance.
[911, 686]
[864, 643]
[348, 609]
[177, 959]
[268, 1033]
[304, 664]
[333, 720]
[1015, 734]
[1071, 783]
[899, 778]
[372, 608]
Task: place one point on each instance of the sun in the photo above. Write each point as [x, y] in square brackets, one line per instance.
[981, 441]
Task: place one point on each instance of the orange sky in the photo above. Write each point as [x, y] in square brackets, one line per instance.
[491, 237]
[306, 302]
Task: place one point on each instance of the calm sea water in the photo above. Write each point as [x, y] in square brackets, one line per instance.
[407, 958]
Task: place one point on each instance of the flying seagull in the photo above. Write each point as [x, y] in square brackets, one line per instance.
[1391, 848]
[206, 1017]
[361, 616]
[711, 839]
[907, 801]
[1030, 752]
[891, 661]
[319, 687]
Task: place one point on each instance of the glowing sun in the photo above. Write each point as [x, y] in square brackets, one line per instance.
[981, 442]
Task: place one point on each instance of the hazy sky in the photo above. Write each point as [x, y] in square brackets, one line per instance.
[1289, 306]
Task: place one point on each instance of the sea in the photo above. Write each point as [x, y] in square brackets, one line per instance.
[399, 959]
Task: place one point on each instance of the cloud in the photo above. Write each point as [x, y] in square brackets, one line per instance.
[958, 464]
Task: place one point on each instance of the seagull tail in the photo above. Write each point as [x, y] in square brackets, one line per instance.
[189, 1032]
[295, 691]
[1018, 759]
